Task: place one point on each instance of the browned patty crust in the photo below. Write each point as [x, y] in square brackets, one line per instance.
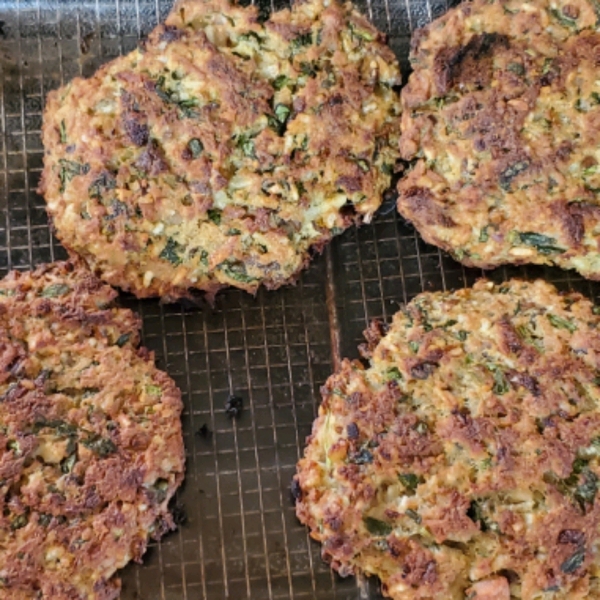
[91, 448]
[464, 460]
[225, 148]
[502, 115]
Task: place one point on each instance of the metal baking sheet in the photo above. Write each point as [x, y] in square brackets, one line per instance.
[239, 538]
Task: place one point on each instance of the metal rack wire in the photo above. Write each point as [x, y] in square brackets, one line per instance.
[240, 539]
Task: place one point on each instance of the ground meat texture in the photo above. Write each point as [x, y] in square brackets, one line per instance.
[501, 118]
[479, 477]
[91, 449]
[226, 150]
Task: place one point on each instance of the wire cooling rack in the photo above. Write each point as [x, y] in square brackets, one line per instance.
[239, 538]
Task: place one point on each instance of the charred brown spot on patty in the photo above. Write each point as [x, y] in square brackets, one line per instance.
[422, 202]
[468, 65]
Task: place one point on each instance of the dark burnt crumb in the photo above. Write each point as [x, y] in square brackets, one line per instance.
[204, 432]
[388, 206]
[170, 34]
[85, 42]
[178, 512]
[295, 491]
[423, 370]
[509, 575]
[263, 13]
[348, 211]
[234, 406]
[352, 431]
[571, 536]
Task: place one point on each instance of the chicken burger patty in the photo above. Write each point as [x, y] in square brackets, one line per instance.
[464, 460]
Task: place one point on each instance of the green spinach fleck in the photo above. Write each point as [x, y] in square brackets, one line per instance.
[308, 69]
[19, 521]
[413, 514]
[393, 374]
[214, 215]
[63, 132]
[246, 144]
[14, 446]
[236, 270]
[574, 562]
[195, 147]
[516, 68]
[67, 464]
[280, 82]
[300, 41]
[105, 182]
[123, 339]
[581, 485]
[377, 527]
[278, 122]
[543, 243]
[172, 252]
[511, 172]
[301, 188]
[361, 34]
[103, 447]
[363, 457]
[362, 164]
[44, 519]
[250, 36]
[563, 19]
[55, 290]
[501, 385]
[409, 480]
[586, 491]
[62, 427]
[561, 323]
[282, 112]
[424, 318]
[185, 105]
[547, 66]
[70, 169]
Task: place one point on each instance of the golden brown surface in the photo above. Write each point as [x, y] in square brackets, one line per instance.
[502, 113]
[91, 449]
[463, 461]
[225, 148]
